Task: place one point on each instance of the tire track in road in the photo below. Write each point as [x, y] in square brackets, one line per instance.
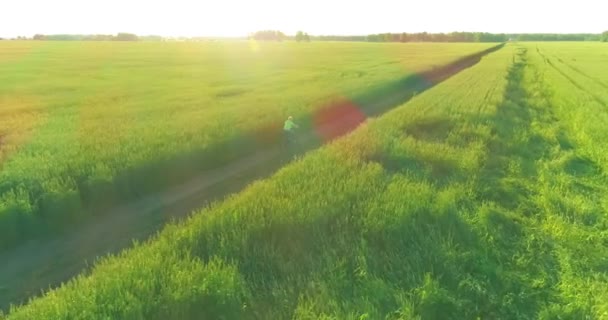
[575, 83]
[579, 71]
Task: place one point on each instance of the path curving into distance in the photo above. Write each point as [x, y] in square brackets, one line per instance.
[40, 265]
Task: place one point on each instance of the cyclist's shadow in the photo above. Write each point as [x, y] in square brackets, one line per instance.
[292, 145]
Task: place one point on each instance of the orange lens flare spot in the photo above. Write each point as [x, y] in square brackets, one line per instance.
[337, 119]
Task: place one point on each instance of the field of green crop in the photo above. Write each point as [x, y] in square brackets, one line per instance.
[484, 197]
[87, 125]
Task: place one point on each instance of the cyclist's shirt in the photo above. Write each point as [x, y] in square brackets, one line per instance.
[289, 125]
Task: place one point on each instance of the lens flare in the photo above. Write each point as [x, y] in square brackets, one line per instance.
[337, 119]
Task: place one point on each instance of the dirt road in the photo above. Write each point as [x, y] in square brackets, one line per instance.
[37, 265]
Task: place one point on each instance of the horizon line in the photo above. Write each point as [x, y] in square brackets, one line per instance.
[289, 34]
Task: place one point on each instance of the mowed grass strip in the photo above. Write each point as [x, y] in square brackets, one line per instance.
[87, 125]
[415, 215]
[576, 190]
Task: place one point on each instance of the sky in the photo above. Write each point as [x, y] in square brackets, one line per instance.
[234, 18]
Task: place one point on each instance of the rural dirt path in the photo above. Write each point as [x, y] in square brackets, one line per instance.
[39, 265]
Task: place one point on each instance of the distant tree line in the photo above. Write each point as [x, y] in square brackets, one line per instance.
[16, 38]
[268, 35]
[123, 36]
[339, 38]
[302, 36]
[477, 37]
[461, 37]
[275, 35]
[557, 37]
[429, 37]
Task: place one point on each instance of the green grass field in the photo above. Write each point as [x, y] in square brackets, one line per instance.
[484, 197]
[86, 125]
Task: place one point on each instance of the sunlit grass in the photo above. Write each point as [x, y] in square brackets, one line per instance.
[481, 198]
[75, 116]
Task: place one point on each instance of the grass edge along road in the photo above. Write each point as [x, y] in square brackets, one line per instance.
[464, 203]
[48, 264]
[57, 212]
